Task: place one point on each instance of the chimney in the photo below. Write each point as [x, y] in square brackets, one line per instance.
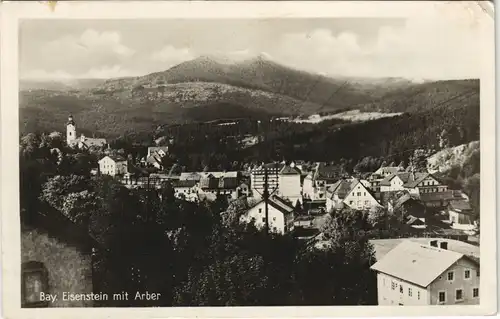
[434, 243]
[443, 245]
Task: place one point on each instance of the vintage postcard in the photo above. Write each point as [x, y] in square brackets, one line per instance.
[247, 159]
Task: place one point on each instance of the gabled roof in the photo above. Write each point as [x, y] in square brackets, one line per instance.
[416, 263]
[157, 148]
[289, 170]
[184, 183]
[460, 206]
[437, 196]
[387, 170]
[387, 180]
[279, 204]
[327, 172]
[343, 187]
[419, 177]
[383, 246]
[153, 159]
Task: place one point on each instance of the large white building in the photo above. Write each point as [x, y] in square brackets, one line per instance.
[113, 165]
[289, 184]
[417, 274]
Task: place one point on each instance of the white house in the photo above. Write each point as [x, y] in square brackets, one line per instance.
[280, 212]
[352, 193]
[416, 274]
[185, 189]
[461, 215]
[315, 183]
[380, 174]
[289, 183]
[113, 165]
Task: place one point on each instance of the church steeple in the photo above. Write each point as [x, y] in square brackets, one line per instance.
[70, 120]
[70, 131]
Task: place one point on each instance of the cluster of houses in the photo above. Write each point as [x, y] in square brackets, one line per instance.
[411, 271]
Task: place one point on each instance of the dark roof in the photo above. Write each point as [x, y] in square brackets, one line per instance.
[280, 204]
[437, 196]
[416, 178]
[184, 183]
[289, 170]
[327, 172]
[460, 205]
[343, 187]
[56, 225]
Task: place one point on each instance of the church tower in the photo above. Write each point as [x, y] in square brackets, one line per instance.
[70, 131]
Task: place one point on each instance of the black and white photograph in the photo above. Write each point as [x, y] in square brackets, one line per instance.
[269, 161]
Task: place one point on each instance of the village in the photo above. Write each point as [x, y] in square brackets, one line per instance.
[436, 236]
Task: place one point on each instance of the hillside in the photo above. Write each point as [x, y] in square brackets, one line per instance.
[118, 112]
[263, 74]
[446, 159]
[425, 96]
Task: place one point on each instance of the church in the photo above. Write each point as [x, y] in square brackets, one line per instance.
[83, 142]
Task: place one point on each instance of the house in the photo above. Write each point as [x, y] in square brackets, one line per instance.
[113, 165]
[185, 189]
[441, 199]
[56, 258]
[461, 215]
[86, 143]
[351, 193]
[226, 186]
[155, 156]
[280, 212]
[289, 183]
[316, 182]
[380, 174]
[423, 183]
[418, 274]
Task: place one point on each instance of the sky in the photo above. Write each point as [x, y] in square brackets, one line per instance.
[413, 48]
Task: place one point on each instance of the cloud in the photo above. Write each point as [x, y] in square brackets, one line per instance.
[76, 54]
[432, 47]
[104, 72]
[170, 55]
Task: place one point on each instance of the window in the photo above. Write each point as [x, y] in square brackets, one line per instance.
[35, 280]
[475, 292]
[409, 292]
[442, 297]
[393, 285]
[263, 219]
[350, 202]
[274, 219]
[260, 210]
[364, 193]
[359, 194]
[418, 295]
[477, 273]
[401, 288]
[450, 276]
[467, 274]
[366, 202]
[459, 295]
